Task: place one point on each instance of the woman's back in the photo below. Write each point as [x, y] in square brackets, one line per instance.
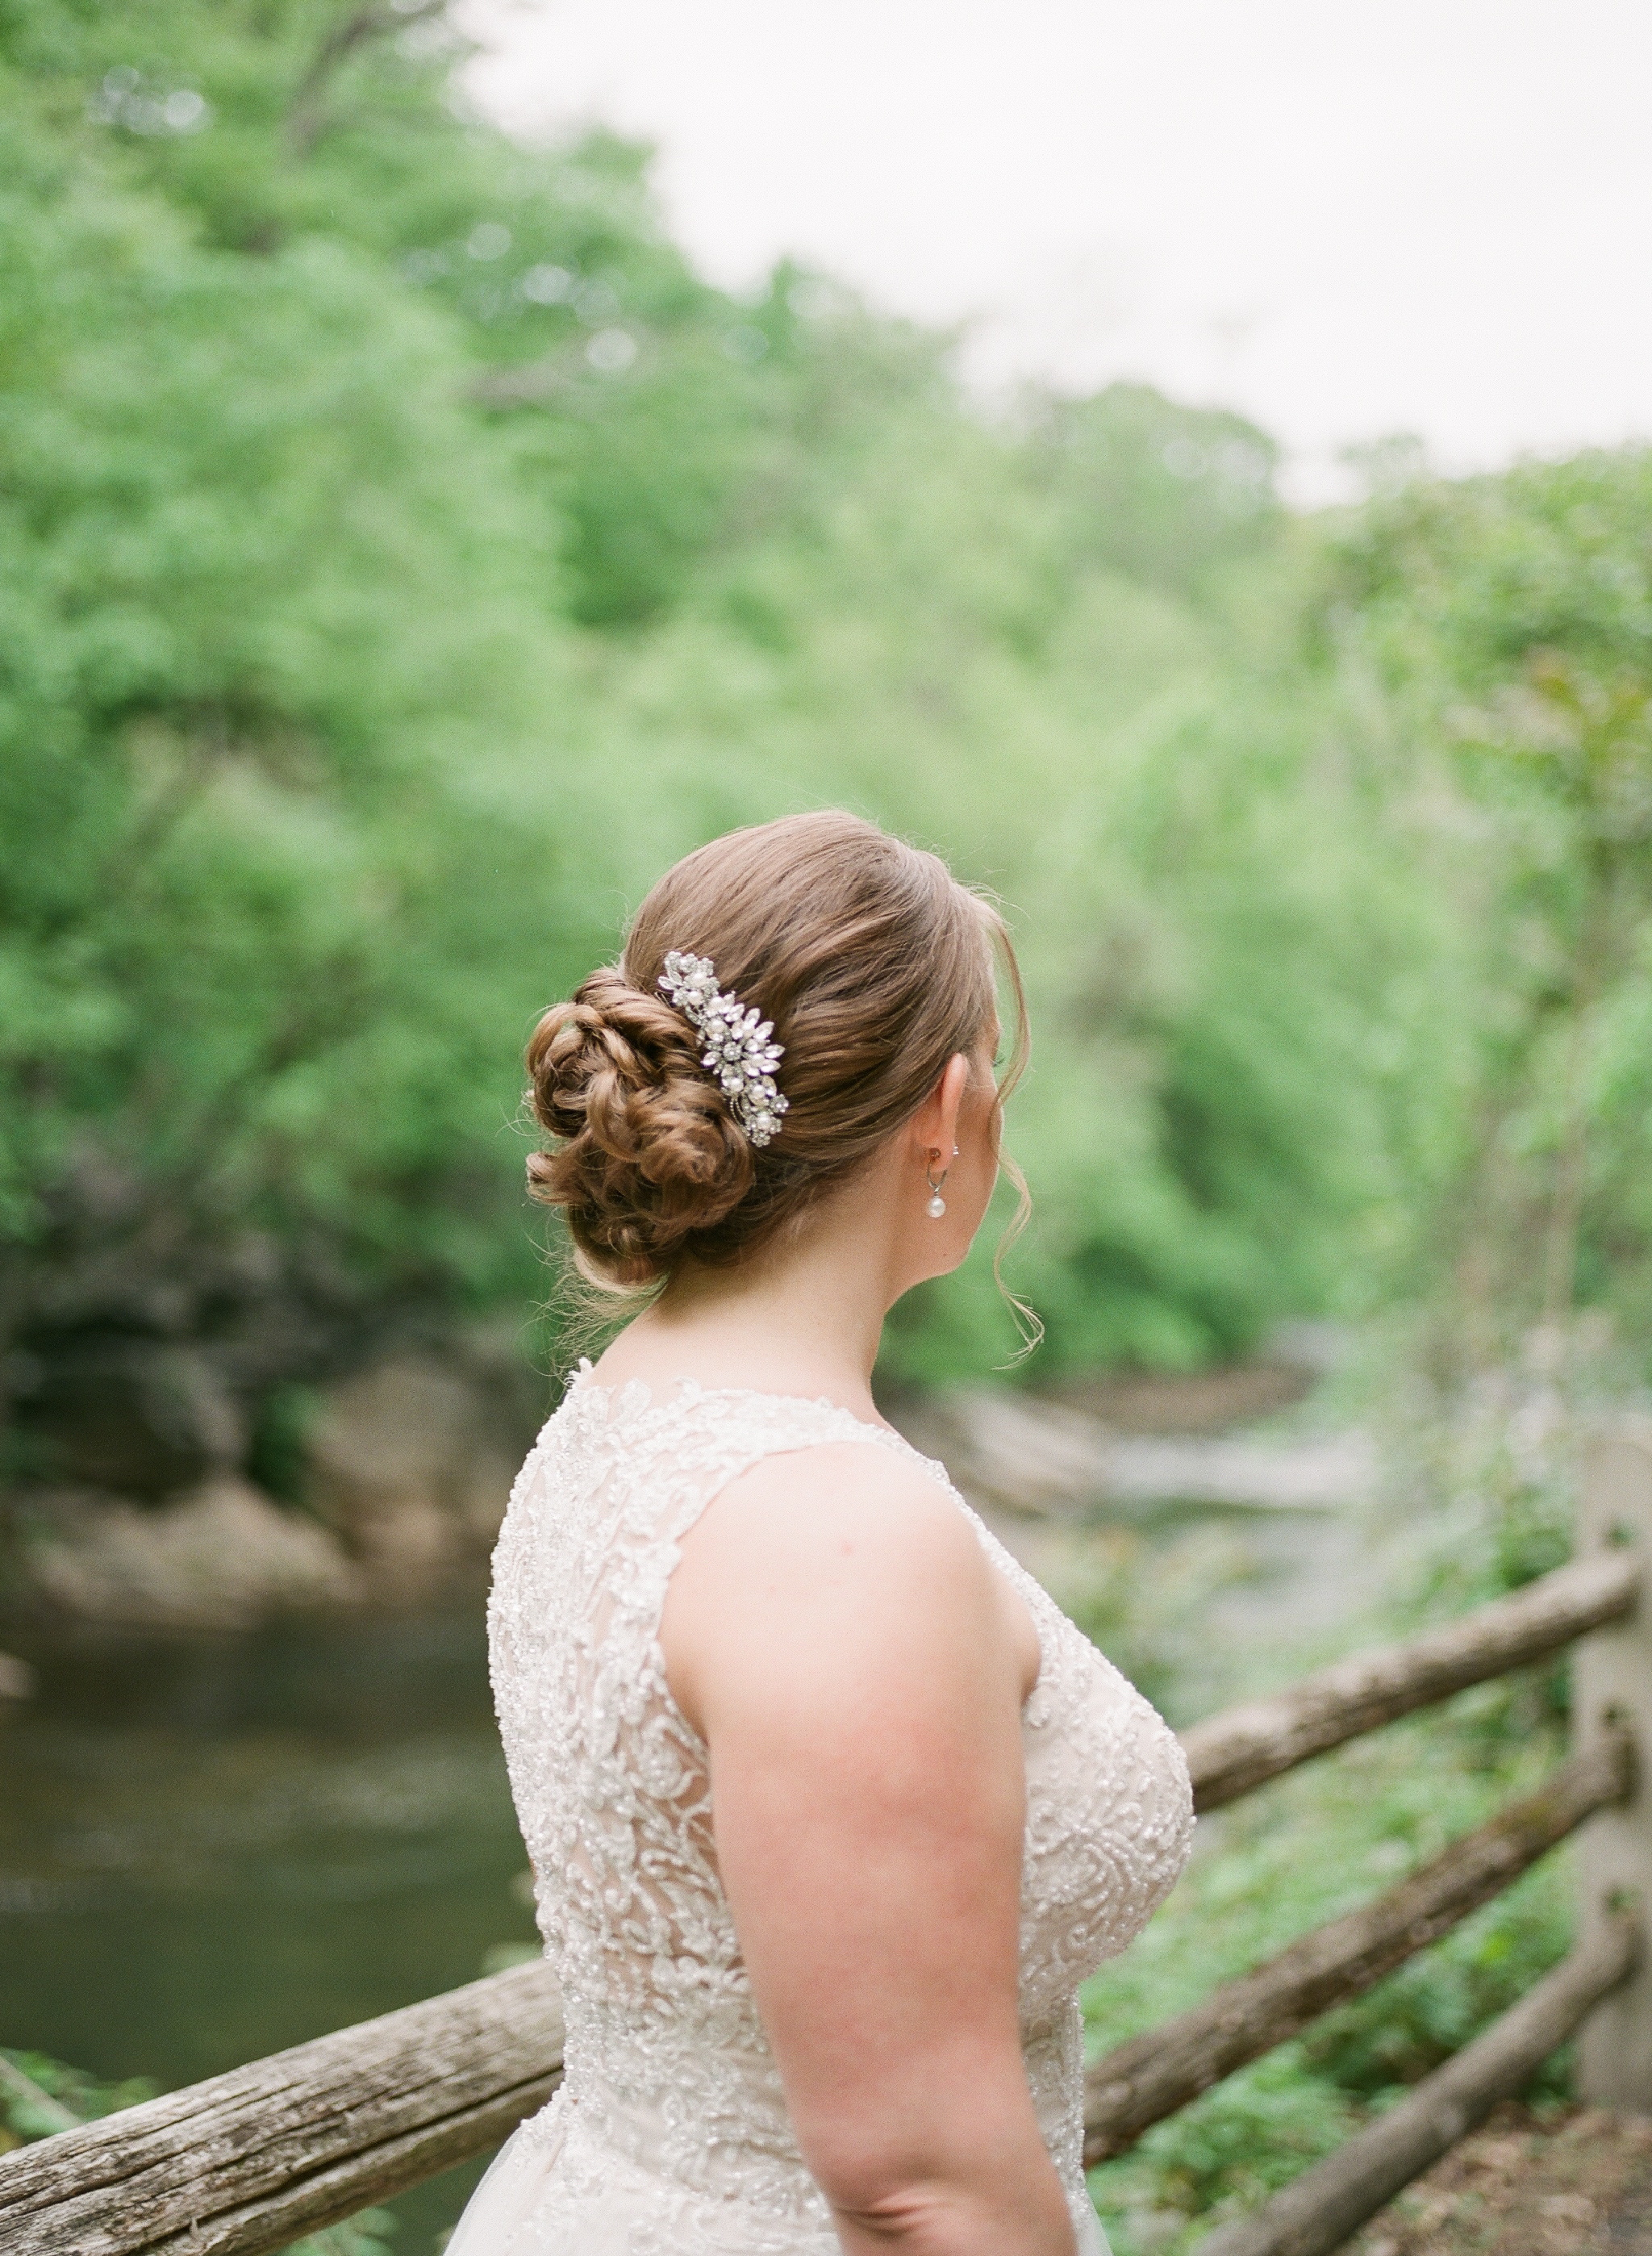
[673, 2132]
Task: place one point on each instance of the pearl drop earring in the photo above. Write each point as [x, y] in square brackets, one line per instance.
[937, 1206]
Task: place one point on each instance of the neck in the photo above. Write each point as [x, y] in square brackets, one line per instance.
[806, 1316]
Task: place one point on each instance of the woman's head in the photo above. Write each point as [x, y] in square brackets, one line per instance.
[875, 966]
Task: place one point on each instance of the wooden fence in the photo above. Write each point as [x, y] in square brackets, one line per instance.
[247, 2162]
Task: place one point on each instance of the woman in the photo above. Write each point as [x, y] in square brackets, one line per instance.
[830, 1809]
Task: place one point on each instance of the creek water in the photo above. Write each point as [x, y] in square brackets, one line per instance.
[212, 1847]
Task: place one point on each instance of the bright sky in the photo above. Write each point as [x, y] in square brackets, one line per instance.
[1346, 217]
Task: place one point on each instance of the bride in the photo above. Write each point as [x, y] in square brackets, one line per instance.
[830, 1809]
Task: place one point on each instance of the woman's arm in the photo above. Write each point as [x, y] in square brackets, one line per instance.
[836, 1634]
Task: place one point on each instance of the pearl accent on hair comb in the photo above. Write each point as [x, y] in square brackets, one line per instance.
[739, 1055]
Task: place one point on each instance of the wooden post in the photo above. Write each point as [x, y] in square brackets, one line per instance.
[1614, 1683]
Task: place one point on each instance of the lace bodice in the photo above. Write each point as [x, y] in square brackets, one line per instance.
[671, 2136]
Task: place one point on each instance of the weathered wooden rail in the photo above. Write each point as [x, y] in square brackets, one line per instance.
[250, 2161]
[1139, 2083]
[245, 2163]
[1242, 1748]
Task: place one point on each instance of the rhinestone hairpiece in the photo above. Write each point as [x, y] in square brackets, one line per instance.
[739, 1054]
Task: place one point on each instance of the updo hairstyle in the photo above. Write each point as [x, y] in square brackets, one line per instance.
[875, 966]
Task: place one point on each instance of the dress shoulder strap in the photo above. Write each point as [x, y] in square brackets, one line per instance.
[671, 1452]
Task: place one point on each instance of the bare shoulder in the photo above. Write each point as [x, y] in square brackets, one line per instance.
[852, 1510]
[844, 1562]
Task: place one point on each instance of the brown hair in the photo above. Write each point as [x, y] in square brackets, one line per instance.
[875, 966]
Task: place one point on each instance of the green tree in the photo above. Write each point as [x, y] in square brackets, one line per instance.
[406, 555]
[1510, 620]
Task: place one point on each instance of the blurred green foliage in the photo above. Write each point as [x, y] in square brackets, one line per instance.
[370, 2232]
[41, 2095]
[405, 555]
[1509, 622]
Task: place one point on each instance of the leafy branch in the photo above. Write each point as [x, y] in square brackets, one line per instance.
[307, 117]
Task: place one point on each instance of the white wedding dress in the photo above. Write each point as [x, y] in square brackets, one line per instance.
[670, 2135]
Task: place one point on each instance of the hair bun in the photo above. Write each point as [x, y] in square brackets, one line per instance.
[649, 1152]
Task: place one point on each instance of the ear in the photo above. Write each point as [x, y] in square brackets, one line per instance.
[934, 1126]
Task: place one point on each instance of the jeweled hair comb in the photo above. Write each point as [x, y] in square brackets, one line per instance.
[739, 1054]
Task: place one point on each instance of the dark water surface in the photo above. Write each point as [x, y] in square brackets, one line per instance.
[213, 1847]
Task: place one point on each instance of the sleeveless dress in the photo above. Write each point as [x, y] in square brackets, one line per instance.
[670, 2134]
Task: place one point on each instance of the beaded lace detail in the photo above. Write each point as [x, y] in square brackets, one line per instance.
[670, 2135]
